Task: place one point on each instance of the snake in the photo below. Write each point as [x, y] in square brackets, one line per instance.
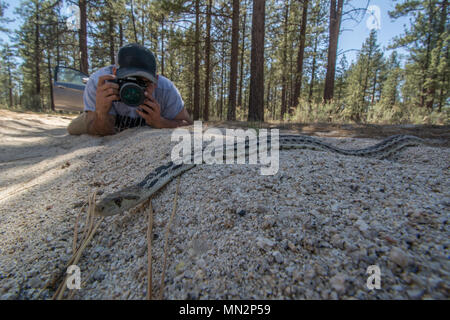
[131, 196]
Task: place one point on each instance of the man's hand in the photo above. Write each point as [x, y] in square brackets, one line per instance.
[151, 112]
[107, 92]
[100, 122]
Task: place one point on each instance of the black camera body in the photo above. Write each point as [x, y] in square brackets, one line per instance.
[131, 91]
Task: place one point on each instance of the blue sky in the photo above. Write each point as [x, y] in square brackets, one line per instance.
[389, 28]
[349, 39]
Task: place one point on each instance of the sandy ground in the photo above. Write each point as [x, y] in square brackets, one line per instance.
[309, 232]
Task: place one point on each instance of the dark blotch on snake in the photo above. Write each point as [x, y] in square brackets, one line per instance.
[177, 166]
[118, 201]
[163, 167]
[163, 174]
[152, 183]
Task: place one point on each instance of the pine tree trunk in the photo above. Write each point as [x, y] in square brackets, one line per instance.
[50, 80]
[222, 83]
[374, 88]
[10, 84]
[256, 99]
[133, 22]
[283, 78]
[231, 115]
[84, 65]
[162, 45]
[120, 35]
[335, 23]
[37, 56]
[57, 37]
[300, 55]
[143, 25]
[366, 83]
[268, 101]
[207, 61]
[111, 37]
[197, 62]
[241, 76]
[313, 73]
[431, 90]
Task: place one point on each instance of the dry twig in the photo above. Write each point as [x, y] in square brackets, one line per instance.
[166, 240]
[77, 255]
[149, 249]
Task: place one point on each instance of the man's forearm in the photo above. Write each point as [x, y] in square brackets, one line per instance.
[100, 124]
[166, 123]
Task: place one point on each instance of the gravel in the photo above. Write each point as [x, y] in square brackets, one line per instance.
[308, 232]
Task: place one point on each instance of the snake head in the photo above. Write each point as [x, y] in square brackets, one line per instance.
[118, 202]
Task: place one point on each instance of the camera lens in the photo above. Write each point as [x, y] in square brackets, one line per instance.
[132, 94]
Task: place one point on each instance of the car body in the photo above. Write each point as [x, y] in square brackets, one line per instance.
[68, 89]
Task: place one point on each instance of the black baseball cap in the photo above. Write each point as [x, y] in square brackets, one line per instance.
[136, 60]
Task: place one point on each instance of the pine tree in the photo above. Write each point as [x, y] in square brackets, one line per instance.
[7, 67]
[390, 92]
[334, 27]
[363, 78]
[256, 102]
[427, 40]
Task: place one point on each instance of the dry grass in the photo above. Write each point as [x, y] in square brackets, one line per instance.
[88, 234]
[149, 250]
[166, 240]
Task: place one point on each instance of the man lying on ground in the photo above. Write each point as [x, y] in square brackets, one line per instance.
[105, 113]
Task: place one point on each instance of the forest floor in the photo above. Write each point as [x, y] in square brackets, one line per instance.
[309, 232]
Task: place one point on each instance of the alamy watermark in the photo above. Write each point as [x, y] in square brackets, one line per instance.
[374, 280]
[213, 153]
[373, 22]
[74, 279]
[73, 21]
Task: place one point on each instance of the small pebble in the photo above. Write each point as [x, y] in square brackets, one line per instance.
[338, 283]
[399, 257]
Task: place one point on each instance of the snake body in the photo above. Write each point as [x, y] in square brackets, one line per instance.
[132, 196]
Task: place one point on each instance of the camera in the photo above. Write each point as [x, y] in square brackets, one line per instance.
[131, 90]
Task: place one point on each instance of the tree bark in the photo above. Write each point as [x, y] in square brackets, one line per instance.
[37, 56]
[133, 22]
[300, 56]
[283, 77]
[111, 36]
[207, 61]
[197, 62]
[241, 76]
[143, 23]
[162, 45]
[313, 73]
[50, 80]
[84, 65]
[120, 35]
[234, 62]
[256, 99]
[431, 90]
[335, 24]
[222, 83]
[9, 80]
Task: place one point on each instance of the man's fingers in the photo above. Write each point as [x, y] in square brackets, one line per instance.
[102, 79]
[110, 91]
[148, 110]
[152, 104]
[142, 114]
[112, 97]
[108, 85]
[146, 107]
